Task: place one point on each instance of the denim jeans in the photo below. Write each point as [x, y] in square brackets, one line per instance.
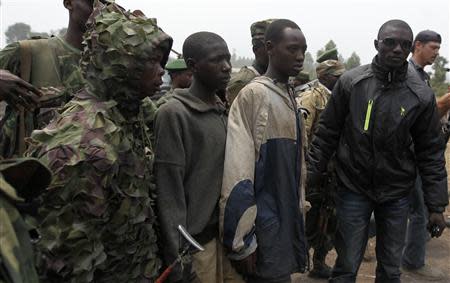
[417, 233]
[353, 216]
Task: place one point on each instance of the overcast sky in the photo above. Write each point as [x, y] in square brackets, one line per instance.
[352, 24]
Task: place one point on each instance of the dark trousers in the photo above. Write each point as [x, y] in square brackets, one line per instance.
[353, 216]
[416, 239]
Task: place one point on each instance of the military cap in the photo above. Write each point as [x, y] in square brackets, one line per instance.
[328, 55]
[258, 30]
[428, 35]
[303, 76]
[331, 67]
[176, 65]
[28, 176]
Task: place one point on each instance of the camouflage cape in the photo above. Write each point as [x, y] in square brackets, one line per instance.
[97, 220]
[65, 62]
[16, 252]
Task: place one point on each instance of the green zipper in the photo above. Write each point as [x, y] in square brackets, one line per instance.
[368, 113]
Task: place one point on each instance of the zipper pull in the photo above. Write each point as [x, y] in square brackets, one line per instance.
[368, 113]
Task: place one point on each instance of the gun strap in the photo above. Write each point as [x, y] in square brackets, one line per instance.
[25, 74]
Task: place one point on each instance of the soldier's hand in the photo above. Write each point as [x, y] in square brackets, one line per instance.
[443, 104]
[17, 92]
[246, 266]
[436, 224]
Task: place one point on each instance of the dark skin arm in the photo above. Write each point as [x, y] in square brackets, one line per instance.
[437, 219]
[17, 92]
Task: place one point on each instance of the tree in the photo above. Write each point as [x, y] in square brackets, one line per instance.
[353, 61]
[330, 45]
[16, 32]
[238, 62]
[309, 65]
[438, 83]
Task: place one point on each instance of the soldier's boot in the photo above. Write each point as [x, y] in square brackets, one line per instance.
[320, 268]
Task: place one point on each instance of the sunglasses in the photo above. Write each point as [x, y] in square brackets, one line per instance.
[392, 43]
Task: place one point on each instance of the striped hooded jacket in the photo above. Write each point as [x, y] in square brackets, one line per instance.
[262, 199]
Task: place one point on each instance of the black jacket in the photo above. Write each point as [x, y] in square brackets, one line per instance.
[372, 120]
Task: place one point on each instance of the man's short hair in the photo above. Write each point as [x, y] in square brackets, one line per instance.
[394, 23]
[195, 46]
[274, 31]
[427, 36]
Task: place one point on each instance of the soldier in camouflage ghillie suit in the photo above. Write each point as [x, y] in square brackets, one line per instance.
[21, 181]
[320, 220]
[97, 221]
[51, 68]
[259, 66]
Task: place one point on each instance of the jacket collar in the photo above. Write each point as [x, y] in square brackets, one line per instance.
[389, 75]
[279, 88]
[185, 97]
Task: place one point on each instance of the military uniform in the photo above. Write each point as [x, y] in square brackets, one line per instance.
[247, 73]
[320, 219]
[21, 181]
[176, 65]
[44, 63]
[312, 99]
[97, 219]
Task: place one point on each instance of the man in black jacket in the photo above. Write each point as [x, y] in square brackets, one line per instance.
[375, 114]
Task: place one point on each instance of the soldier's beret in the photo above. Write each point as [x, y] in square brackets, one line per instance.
[176, 65]
[428, 35]
[303, 76]
[258, 29]
[328, 55]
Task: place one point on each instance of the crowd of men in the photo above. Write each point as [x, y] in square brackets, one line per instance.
[99, 167]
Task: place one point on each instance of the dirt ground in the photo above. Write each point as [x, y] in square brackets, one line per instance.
[437, 254]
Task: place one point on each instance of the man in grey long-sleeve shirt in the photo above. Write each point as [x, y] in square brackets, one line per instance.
[190, 144]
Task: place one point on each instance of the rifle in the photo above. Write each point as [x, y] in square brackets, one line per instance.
[325, 195]
[191, 242]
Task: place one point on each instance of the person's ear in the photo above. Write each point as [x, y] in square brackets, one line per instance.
[375, 43]
[269, 47]
[418, 45]
[68, 4]
[191, 64]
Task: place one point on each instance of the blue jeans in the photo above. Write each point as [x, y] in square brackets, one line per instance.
[416, 237]
[353, 216]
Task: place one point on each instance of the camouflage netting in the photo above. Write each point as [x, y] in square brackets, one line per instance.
[116, 42]
[97, 219]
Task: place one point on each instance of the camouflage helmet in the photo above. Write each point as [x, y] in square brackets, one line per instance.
[117, 45]
[331, 67]
[331, 54]
[258, 30]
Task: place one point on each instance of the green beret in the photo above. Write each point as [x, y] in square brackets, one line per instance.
[258, 29]
[176, 65]
[331, 67]
[28, 176]
[328, 55]
[303, 76]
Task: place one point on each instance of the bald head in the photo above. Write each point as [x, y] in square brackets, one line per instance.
[394, 24]
[198, 45]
